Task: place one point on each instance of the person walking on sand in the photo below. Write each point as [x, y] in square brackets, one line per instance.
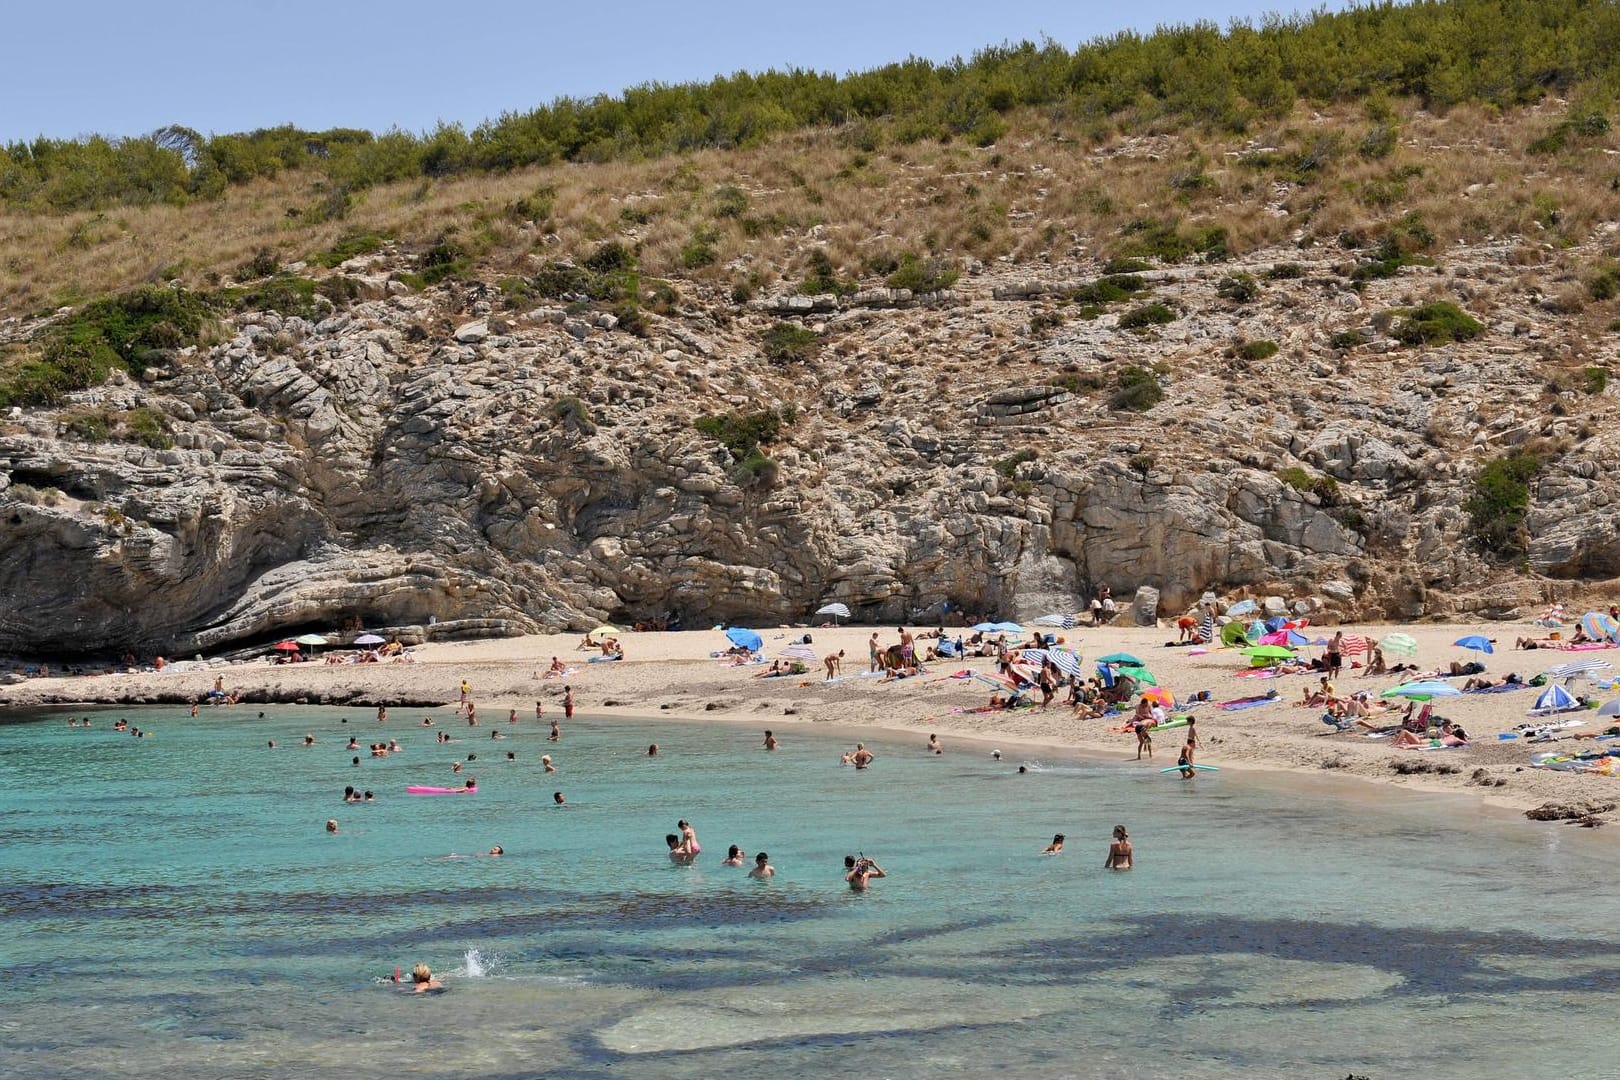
[872, 651]
[1144, 740]
[1119, 852]
[568, 703]
[835, 664]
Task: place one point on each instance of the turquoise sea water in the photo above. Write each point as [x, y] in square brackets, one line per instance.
[172, 907]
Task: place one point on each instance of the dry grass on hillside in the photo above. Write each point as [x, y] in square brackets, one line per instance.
[1046, 193]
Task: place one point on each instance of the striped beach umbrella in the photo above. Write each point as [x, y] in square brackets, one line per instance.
[1398, 644]
[1599, 627]
[1062, 622]
[1576, 668]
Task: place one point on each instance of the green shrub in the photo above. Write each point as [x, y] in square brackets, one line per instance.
[730, 201]
[444, 260]
[1141, 464]
[699, 251]
[1595, 379]
[1501, 499]
[1007, 466]
[1325, 488]
[88, 425]
[612, 256]
[1146, 315]
[923, 275]
[127, 332]
[1605, 284]
[743, 433]
[1436, 324]
[350, 244]
[786, 342]
[1348, 339]
[1380, 141]
[149, 427]
[1043, 321]
[822, 277]
[1238, 288]
[1108, 290]
[535, 207]
[756, 470]
[285, 294]
[1138, 390]
[262, 265]
[575, 414]
[1126, 266]
[1163, 240]
[1285, 271]
[1257, 350]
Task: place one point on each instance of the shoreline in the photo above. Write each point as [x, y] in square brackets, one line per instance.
[670, 674]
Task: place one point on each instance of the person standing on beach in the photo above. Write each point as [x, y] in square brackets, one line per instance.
[466, 691]
[872, 650]
[1144, 740]
[1335, 654]
[907, 655]
[835, 664]
[568, 702]
[1119, 852]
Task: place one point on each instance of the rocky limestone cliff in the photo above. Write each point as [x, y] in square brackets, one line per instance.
[418, 456]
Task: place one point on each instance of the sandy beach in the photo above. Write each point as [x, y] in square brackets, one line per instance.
[674, 675]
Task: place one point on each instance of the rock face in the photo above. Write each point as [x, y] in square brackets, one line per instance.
[416, 457]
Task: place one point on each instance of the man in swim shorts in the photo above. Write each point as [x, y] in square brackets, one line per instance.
[860, 872]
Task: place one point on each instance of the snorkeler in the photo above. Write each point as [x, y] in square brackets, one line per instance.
[860, 872]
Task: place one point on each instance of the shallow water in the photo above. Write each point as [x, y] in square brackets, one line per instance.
[173, 907]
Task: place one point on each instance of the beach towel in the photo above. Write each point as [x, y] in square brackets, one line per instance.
[611, 659]
[1496, 689]
[1248, 702]
[1586, 646]
[1258, 673]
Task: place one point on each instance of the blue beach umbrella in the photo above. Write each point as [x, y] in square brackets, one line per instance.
[1477, 642]
[1120, 658]
[984, 628]
[746, 638]
[1008, 628]
[1242, 607]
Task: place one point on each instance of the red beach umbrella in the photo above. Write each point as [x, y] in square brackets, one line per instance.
[286, 646]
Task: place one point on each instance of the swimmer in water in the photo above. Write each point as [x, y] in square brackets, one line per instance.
[734, 856]
[272, 744]
[556, 732]
[422, 980]
[1119, 852]
[933, 745]
[497, 850]
[557, 797]
[762, 868]
[770, 741]
[676, 854]
[511, 755]
[511, 717]
[862, 756]
[545, 759]
[860, 872]
[652, 751]
[382, 713]
[1055, 847]
[331, 825]
[309, 740]
[995, 755]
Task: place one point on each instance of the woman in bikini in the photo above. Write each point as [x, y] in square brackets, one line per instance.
[1119, 852]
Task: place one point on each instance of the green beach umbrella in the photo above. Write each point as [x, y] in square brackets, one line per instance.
[1268, 652]
[1140, 674]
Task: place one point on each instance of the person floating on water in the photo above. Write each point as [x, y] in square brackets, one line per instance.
[1119, 852]
[860, 872]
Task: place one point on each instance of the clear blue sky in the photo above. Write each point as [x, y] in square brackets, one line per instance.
[127, 67]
